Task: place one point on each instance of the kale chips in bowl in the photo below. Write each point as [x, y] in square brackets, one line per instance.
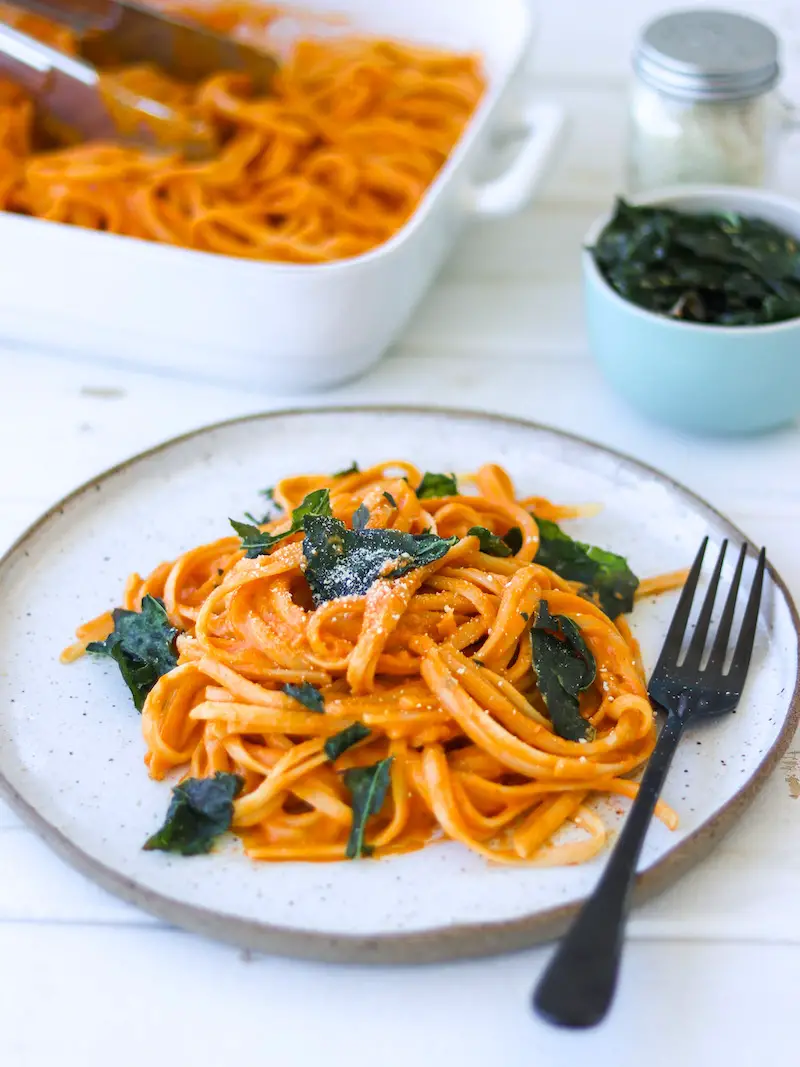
[693, 306]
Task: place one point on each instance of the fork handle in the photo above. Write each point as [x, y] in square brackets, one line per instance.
[578, 984]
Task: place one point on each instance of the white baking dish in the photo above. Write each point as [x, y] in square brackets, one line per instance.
[280, 326]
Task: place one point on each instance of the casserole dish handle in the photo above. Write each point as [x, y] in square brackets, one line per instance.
[514, 187]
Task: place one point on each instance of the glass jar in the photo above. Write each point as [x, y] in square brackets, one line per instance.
[702, 106]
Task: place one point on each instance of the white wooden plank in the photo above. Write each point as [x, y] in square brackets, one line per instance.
[742, 890]
[37, 885]
[8, 819]
[568, 395]
[124, 996]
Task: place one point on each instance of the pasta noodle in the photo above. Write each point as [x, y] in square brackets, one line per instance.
[435, 664]
[329, 166]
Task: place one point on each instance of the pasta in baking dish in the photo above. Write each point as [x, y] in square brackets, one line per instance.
[384, 660]
[330, 165]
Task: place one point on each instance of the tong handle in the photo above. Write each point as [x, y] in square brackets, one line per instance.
[79, 15]
[24, 60]
[49, 76]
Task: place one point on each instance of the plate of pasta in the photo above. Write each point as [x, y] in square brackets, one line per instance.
[366, 684]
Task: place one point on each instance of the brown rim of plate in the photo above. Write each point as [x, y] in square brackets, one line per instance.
[435, 945]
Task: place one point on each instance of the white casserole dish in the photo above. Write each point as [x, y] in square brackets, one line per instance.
[281, 326]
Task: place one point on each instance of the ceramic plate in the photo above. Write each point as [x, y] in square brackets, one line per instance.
[70, 741]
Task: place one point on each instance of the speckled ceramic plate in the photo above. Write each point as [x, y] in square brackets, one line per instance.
[70, 741]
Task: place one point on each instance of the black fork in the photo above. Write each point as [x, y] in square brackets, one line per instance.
[578, 984]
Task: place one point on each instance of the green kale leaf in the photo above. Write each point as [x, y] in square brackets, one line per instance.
[513, 538]
[564, 667]
[273, 509]
[342, 562]
[360, 517]
[490, 543]
[436, 485]
[143, 646]
[258, 542]
[306, 694]
[200, 810]
[603, 573]
[368, 786]
[352, 469]
[351, 735]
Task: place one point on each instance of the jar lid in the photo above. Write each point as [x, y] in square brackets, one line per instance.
[708, 55]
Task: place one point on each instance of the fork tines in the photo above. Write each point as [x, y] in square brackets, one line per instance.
[692, 661]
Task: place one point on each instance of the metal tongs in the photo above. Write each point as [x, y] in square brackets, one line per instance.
[81, 104]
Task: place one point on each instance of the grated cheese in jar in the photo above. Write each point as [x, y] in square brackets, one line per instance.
[701, 109]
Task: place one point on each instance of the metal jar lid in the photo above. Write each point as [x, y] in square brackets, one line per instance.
[708, 55]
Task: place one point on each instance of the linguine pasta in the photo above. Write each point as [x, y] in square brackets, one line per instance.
[429, 673]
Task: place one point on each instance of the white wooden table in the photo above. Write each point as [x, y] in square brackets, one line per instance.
[713, 966]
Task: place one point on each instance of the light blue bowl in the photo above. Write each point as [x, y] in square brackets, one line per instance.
[704, 379]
